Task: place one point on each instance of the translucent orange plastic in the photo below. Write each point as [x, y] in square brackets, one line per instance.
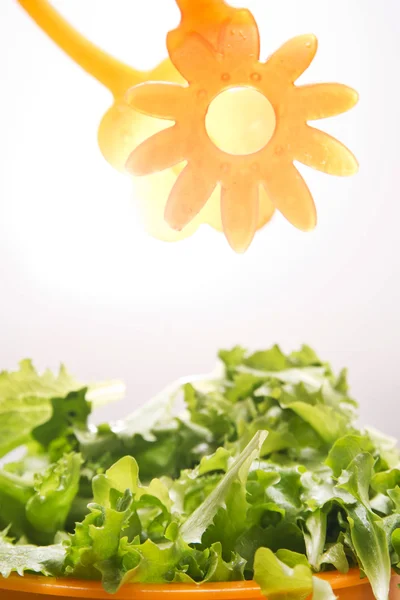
[216, 48]
[346, 587]
[160, 129]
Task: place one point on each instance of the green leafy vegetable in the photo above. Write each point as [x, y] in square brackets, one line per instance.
[277, 580]
[264, 475]
[194, 527]
[367, 530]
[38, 509]
[26, 396]
[322, 590]
[336, 556]
[47, 560]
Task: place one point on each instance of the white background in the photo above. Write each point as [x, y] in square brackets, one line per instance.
[81, 283]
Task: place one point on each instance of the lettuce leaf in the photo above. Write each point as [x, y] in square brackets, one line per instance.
[194, 527]
[367, 529]
[26, 400]
[278, 581]
[39, 509]
[47, 560]
[264, 475]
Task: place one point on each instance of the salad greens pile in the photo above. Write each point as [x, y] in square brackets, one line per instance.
[263, 475]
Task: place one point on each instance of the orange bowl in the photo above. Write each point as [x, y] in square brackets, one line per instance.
[33, 587]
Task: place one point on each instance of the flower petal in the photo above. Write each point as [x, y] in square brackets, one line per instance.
[291, 196]
[194, 58]
[160, 151]
[323, 100]
[161, 100]
[240, 210]
[239, 37]
[190, 193]
[320, 151]
[293, 58]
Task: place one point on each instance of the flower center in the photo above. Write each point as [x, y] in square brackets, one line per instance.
[240, 121]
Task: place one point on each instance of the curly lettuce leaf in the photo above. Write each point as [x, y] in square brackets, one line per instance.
[70, 411]
[318, 492]
[197, 523]
[27, 382]
[122, 510]
[322, 590]
[14, 494]
[395, 541]
[21, 558]
[25, 400]
[130, 536]
[386, 480]
[39, 509]
[268, 360]
[315, 537]
[367, 529]
[280, 582]
[325, 420]
[335, 555]
[345, 449]
[54, 492]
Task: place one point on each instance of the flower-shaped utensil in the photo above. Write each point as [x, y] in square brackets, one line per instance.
[218, 135]
[239, 123]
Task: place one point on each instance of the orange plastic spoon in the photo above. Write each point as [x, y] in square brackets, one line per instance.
[122, 128]
[237, 124]
[217, 50]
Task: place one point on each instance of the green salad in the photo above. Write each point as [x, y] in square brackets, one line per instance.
[257, 471]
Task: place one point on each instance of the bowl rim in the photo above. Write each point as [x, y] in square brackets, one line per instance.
[51, 586]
